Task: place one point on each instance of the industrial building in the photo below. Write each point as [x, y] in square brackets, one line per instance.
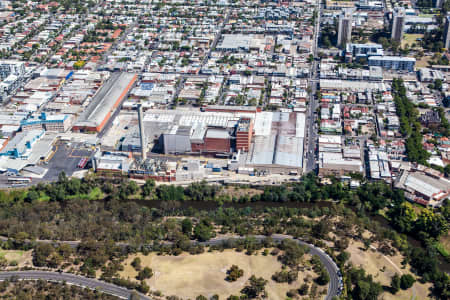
[20, 146]
[105, 102]
[278, 141]
[336, 164]
[425, 187]
[54, 123]
[179, 132]
[268, 139]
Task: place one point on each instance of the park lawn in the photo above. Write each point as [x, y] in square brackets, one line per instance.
[43, 197]
[23, 258]
[191, 275]
[411, 38]
[95, 194]
[374, 262]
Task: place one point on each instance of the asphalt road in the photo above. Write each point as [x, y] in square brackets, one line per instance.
[81, 281]
[329, 264]
[311, 140]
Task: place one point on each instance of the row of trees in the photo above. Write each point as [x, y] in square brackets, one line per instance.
[409, 125]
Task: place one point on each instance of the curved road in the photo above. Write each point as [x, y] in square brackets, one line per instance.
[81, 281]
[108, 288]
[332, 269]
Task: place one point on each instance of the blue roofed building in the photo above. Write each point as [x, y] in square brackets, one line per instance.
[53, 123]
[21, 145]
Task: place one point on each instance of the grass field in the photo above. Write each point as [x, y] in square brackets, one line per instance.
[191, 275]
[95, 194]
[382, 268]
[23, 258]
[411, 39]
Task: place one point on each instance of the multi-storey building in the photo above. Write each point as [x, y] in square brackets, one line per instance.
[398, 24]
[345, 28]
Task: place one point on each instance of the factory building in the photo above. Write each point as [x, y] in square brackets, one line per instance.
[21, 145]
[244, 133]
[427, 187]
[178, 132]
[277, 141]
[105, 102]
[271, 139]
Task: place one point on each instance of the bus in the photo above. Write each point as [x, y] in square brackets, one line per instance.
[19, 180]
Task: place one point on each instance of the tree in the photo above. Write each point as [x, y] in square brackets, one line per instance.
[432, 224]
[303, 290]
[293, 252]
[203, 231]
[285, 276]
[395, 283]
[42, 253]
[32, 196]
[343, 257]
[132, 188]
[324, 277]
[186, 226]
[148, 188]
[403, 217]
[143, 287]
[406, 281]
[255, 288]
[136, 263]
[145, 273]
[201, 297]
[234, 273]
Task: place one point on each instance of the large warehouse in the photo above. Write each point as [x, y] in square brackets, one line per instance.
[105, 102]
[278, 140]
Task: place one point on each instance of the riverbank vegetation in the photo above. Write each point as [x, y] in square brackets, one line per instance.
[306, 209]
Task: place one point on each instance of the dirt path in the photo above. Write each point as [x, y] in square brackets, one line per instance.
[396, 268]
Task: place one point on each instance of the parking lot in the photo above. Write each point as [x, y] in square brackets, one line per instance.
[66, 158]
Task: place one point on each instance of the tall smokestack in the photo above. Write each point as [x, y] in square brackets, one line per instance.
[141, 132]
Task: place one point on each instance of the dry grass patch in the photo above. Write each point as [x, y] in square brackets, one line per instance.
[382, 268]
[23, 258]
[423, 62]
[188, 275]
[239, 192]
